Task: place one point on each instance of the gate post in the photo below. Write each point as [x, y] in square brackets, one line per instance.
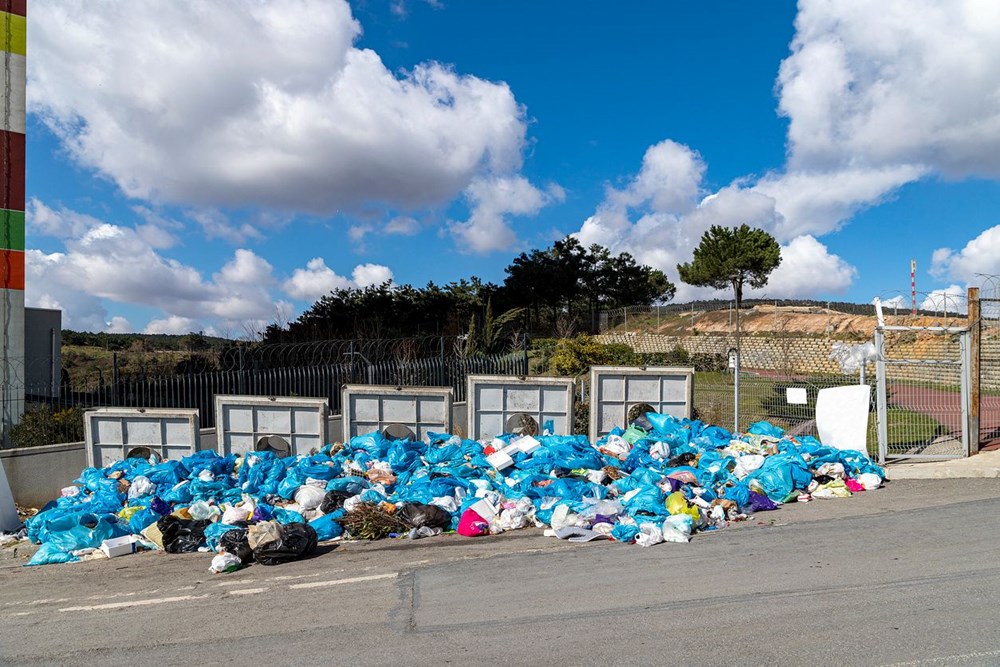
[975, 330]
[880, 393]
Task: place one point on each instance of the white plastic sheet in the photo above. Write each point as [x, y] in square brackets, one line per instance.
[842, 416]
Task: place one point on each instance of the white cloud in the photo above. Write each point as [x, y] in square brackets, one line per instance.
[317, 279]
[668, 225]
[896, 302]
[402, 225]
[981, 255]
[371, 274]
[895, 82]
[172, 325]
[808, 268]
[118, 324]
[260, 103]
[59, 224]
[491, 201]
[951, 299]
[119, 264]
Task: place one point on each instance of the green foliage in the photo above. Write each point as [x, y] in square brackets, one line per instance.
[41, 425]
[728, 257]
[495, 334]
[574, 356]
[548, 290]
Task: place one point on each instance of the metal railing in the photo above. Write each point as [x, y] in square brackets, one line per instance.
[56, 416]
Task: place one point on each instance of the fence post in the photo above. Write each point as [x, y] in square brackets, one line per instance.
[975, 334]
[114, 378]
[880, 393]
[524, 354]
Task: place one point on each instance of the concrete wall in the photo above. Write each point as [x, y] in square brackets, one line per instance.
[36, 474]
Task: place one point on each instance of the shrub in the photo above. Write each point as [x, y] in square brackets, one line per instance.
[41, 425]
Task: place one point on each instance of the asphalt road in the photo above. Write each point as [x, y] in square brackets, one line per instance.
[905, 575]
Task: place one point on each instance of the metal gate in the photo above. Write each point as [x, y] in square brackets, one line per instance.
[989, 364]
[922, 391]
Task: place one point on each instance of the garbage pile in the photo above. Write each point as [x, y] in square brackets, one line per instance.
[660, 480]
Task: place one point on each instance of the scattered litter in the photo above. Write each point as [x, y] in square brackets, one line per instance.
[662, 479]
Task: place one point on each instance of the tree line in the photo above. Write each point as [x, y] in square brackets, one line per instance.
[559, 290]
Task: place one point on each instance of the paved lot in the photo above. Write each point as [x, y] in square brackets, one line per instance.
[905, 575]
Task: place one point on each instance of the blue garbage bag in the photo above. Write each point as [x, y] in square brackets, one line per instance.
[283, 516]
[647, 499]
[765, 428]
[326, 527]
[215, 531]
[624, 532]
[70, 532]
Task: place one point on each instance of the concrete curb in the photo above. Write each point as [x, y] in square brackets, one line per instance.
[983, 465]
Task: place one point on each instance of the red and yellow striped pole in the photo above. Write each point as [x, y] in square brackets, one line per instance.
[13, 41]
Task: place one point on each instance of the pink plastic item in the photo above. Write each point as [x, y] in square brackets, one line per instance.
[472, 525]
[853, 485]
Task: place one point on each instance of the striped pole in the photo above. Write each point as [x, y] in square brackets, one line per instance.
[13, 41]
[913, 286]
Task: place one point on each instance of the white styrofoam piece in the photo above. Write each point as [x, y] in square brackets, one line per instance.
[368, 408]
[494, 399]
[110, 433]
[842, 416]
[118, 546]
[615, 389]
[242, 421]
[526, 444]
[484, 508]
[500, 460]
[796, 395]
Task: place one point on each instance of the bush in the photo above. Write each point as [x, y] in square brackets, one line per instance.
[574, 356]
[41, 425]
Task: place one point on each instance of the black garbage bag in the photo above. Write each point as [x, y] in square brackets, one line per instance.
[295, 541]
[418, 515]
[333, 500]
[182, 535]
[235, 542]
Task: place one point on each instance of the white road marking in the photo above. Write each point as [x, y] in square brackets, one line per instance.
[135, 603]
[247, 591]
[290, 577]
[235, 582]
[338, 582]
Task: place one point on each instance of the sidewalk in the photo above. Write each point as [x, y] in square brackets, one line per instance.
[984, 464]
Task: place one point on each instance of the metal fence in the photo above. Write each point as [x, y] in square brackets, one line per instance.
[53, 416]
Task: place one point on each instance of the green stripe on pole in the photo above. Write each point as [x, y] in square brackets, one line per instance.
[11, 230]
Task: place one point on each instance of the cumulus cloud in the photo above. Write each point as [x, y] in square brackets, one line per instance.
[317, 279]
[104, 262]
[806, 264]
[660, 215]
[261, 103]
[897, 82]
[951, 299]
[981, 255]
[492, 200]
[172, 325]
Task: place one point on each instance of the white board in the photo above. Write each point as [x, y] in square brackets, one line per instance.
[842, 416]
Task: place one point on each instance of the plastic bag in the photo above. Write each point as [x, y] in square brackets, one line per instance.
[202, 511]
[181, 535]
[649, 534]
[326, 527]
[418, 515]
[333, 500]
[235, 542]
[294, 541]
[225, 562]
[677, 528]
[141, 486]
[309, 497]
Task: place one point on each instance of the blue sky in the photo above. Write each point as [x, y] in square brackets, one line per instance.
[216, 166]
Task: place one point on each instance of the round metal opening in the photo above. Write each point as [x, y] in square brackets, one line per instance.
[521, 424]
[145, 453]
[399, 432]
[638, 410]
[274, 443]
